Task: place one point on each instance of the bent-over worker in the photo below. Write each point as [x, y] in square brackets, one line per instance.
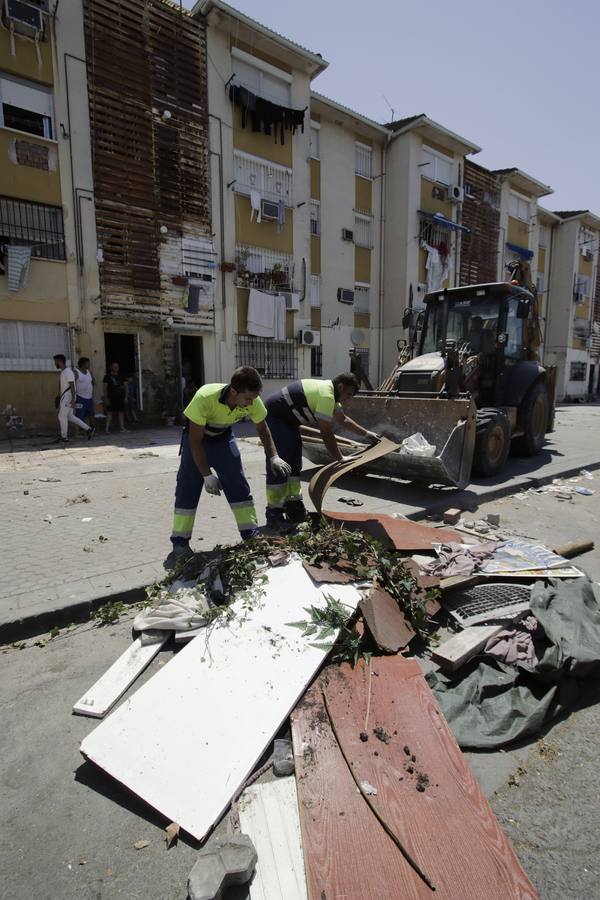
[208, 444]
[307, 402]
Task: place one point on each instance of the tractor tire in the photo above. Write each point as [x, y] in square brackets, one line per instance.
[533, 419]
[492, 442]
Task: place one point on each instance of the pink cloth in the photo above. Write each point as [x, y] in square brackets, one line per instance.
[522, 642]
[459, 559]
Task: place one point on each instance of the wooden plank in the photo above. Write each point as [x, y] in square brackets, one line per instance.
[387, 623]
[106, 691]
[213, 709]
[402, 534]
[431, 802]
[462, 647]
[269, 815]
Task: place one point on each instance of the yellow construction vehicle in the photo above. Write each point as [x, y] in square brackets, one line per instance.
[468, 379]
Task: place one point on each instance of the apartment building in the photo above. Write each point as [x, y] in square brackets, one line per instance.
[45, 189]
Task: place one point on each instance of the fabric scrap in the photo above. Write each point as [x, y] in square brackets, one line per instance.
[459, 559]
[181, 610]
[522, 642]
[19, 258]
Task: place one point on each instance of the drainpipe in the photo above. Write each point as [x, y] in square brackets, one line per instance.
[382, 257]
[458, 241]
[547, 317]
[219, 156]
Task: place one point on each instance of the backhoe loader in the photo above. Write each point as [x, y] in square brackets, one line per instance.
[468, 379]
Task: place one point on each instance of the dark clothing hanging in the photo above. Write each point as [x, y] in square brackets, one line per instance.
[266, 116]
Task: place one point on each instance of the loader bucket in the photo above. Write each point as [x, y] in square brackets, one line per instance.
[448, 424]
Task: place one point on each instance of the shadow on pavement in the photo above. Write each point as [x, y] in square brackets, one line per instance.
[132, 440]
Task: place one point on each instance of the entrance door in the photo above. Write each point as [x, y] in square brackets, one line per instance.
[124, 349]
[191, 361]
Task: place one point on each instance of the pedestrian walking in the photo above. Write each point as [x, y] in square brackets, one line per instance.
[210, 456]
[308, 402]
[66, 400]
[84, 386]
[114, 396]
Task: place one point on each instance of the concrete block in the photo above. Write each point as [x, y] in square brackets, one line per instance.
[283, 757]
[493, 518]
[452, 516]
[223, 862]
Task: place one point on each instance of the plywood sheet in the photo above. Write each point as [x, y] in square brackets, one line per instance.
[448, 828]
[325, 477]
[402, 534]
[269, 815]
[387, 623]
[187, 740]
[106, 691]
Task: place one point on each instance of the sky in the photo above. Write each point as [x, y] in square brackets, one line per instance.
[519, 79]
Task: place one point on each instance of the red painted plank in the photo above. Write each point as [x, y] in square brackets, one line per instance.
[449, 828]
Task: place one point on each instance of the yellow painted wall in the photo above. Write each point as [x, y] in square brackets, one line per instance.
[363, 322]
[517, 232]
[541, 259]
[578, 343]
[315, 179]
[363, 192]
[315, 318]
[586, 266]
[264, 234]
[24, 63]
[362, 265]
[315, 255]
[43, 300]
[262, 145]
[32, 394]
[26, 182]
[582, 310]
[431, 204]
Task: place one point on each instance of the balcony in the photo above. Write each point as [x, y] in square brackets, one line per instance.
[265, 270]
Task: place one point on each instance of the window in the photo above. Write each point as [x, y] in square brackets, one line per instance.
[26, 108]
[518, 207]
[578, 371]
[252, 173]
[315, 140]
[315, 217]
[544, 236]
[198, 256]
[363, 356]
[264, 269]
[362, 231]
[362, 297]
[362, 159]
[262, 83]
[29, 346]
[436, 167]
[514, 329]
[316, 362]
[315, 291]
[272, 359]
[582, 287]
[39, 226]
[587, 242]
[540, 283]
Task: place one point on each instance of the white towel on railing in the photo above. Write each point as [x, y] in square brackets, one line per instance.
[261, 314]
[17, 269]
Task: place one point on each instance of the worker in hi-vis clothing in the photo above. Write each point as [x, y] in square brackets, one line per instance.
[208, 444]
[307, 402]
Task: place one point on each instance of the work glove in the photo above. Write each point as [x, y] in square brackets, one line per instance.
[212, 485]
[373, 437]
[280, 467]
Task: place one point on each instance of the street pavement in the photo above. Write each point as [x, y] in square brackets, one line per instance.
[91, 521]
[69, 830]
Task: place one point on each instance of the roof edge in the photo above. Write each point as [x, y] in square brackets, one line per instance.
[345, 110]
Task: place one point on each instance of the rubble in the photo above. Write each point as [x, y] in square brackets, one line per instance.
[222, 864]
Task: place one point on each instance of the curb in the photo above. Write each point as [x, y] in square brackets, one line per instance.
[29, 626]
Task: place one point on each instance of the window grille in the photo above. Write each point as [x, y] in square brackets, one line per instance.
[264, 269]
[582, 287]
[315, 291]
[272, 359]
[252, 173]
[35, 224]
[315, 141]
[363, 160]
[315, 217]
[362, 299]
[198, 256]
[316, 362]
[433, 234]
[362, 231]
[363, 355]
[30, 346]
[578, 371]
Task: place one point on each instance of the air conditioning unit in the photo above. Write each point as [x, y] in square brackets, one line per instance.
[345, 296]
[309, 338]
[347, 235]
[24, 17]
[456, 193]
[269, 210]
[292, 299]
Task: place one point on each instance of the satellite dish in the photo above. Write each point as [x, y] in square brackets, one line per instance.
[357, 337]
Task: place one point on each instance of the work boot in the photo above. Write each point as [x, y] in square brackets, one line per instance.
[275, 517]
[295, 511]
[178, 555]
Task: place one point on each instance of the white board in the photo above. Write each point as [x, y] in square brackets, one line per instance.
[192, 734]
[115, 681]
[269, 816]
[463, 646]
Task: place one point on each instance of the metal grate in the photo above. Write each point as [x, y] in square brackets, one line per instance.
[316, 362]
[33, 224]
[433, 233]
[362, 231]
[315, 218]
[252, 173]
[487, 602]
[362, 160]
[272, 359]
[264, 269]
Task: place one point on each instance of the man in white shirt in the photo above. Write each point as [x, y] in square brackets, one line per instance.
[85, 390]
[66, 400]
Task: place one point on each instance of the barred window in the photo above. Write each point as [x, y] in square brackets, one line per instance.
[362, 299]
[272, 359]
[315, 291]
[316, 362]
[362, 231]
[33, 224]
[30, 346]
[315, 217]
[272, 181]
[363, 160]
[578, 371]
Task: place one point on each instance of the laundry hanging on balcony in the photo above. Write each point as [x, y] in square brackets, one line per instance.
[270, 118]
[17, 268]
[266, 315]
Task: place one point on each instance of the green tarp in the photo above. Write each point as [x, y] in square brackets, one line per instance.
[489, 704]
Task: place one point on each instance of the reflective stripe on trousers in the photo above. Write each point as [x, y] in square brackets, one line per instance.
[288, 444]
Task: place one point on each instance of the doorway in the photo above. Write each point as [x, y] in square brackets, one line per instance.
[191, 361]
[591, 379]
[124, 349]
